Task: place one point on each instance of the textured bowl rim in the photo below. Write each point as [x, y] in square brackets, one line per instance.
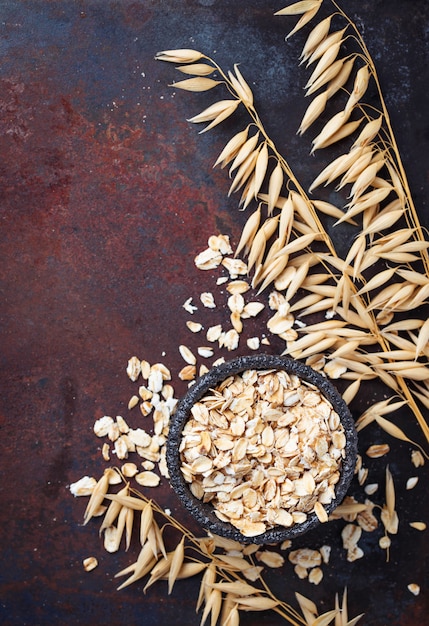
[204, 512]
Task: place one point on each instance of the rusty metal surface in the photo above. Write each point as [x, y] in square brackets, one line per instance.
[106, 194]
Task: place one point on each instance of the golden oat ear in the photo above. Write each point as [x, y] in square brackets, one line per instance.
[286, 239]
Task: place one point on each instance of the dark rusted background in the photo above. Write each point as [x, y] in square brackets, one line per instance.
[106, 195]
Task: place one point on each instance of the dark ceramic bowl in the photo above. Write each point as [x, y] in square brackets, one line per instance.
[204, 512]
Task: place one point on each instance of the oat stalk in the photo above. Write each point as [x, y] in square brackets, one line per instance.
[225, 592]
[299, 227]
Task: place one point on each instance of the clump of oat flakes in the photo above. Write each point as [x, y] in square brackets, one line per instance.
[265, 448]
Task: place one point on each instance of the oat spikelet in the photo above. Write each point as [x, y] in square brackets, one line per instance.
[245, 171]
[215, 113]
[341, 77]
[176, 564]
[336, 168]
[113, 511]
[159, 571]
[352, 390]
[396, 432]
[298, 8]
[326, 60]
[196, 69]
[238, 588]
[145, 562]
[199, 83]
[313, 112]
[274, 187]
[146, 521]
[324, 45]
[326, 78]
[390, 492]
[308, 608]
[423, 339]
[359, 88]
[260, 240]
[213, 606]
[256, 603]
[183, 55]
[245, 151]
[98, 495]
[317, 34]
[261, 168]
[249, 231]
[383, 221]
[369, 131]
[241, 87]
[232, 147]
[325, 618]
[207, 580]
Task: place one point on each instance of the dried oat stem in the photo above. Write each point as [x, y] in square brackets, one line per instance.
[404, 389]
[227, 574]
[392, 139]
[255, 161]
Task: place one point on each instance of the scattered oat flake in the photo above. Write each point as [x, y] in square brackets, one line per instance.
[315, 576]
[133, 368]
[133, 401]
[378, 450]
[418, 525]
[417, 458]
[103, 425]
[253, 573]
[252, 309]
[111, 543]
[90, 563]
[145, 366]
[325, 552]
[187, 355]
[208, 259]
[253, 343]
[129, 470]
[105, 452]
[414, 588]
[270, 558]
[412, 482]
[207, 300]
[188, 372]
[238, 286]
[121, 448]
[189, 307]
[194, 327]
[162, 369]
[140, 437]
[83, 487]
[220, 243]
[213, 333]
[148, 465]
[122, 424]
[229, 340]
[205, 352]
[371, 489]
[301, 572]
[235, 267]
[148, 479]
[305, 557]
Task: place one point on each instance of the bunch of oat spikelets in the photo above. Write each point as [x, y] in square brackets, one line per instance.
[368, 302]
[370, 299]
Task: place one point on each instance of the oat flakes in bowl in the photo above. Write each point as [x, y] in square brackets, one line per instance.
[261, 449]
